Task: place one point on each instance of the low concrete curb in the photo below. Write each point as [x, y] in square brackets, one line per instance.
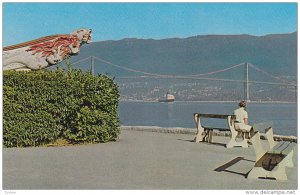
[193, 131]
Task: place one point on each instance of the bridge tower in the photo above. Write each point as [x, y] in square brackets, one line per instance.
[246, 82]
[92, 66]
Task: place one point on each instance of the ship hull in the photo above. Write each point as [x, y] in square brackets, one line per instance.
[166, 100]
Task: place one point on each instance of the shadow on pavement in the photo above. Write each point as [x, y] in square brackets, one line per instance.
[223, 168]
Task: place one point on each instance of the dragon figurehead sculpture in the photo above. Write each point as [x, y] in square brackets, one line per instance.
[45, 51]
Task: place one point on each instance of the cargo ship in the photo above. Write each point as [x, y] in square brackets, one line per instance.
[168, 98]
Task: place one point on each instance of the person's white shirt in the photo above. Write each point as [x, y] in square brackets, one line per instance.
[241, 116]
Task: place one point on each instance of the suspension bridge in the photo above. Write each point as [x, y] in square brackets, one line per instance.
[246, 81]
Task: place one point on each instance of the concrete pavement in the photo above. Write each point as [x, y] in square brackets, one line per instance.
[139, 160]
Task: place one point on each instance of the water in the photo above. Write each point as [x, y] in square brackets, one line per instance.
[180, 114]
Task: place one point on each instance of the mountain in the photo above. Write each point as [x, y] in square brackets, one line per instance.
[274, 53]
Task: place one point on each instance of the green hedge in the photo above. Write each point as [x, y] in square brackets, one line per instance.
[42, 106]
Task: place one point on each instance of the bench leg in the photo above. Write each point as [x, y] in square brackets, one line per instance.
[233, 143]
[210, 134]
[205, 136]
[270, 137]
[199, 137]
[258, 149]
[288, 160]
[278, 173]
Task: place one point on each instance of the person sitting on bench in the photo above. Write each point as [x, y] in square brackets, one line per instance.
[241, 121]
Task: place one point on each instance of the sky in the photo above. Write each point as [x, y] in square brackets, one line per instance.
[114, 21]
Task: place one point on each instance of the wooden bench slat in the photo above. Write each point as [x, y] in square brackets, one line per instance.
[260, 127]
[282, 147]
[216, 128]
[222, 116]
[288, 149]
[279, 146]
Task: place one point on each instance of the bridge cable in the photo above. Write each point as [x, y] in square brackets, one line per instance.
[217, 71]
[268, 74]
[165, 75]
[81, 60]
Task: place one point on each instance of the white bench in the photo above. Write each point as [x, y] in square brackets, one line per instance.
[204, 134]
[271, 163]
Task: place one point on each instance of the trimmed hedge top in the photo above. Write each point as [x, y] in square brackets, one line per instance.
[43, 106]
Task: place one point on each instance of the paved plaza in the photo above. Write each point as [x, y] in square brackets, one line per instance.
[138, 160]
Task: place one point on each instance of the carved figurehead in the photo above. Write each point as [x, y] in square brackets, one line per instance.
[44, 52]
